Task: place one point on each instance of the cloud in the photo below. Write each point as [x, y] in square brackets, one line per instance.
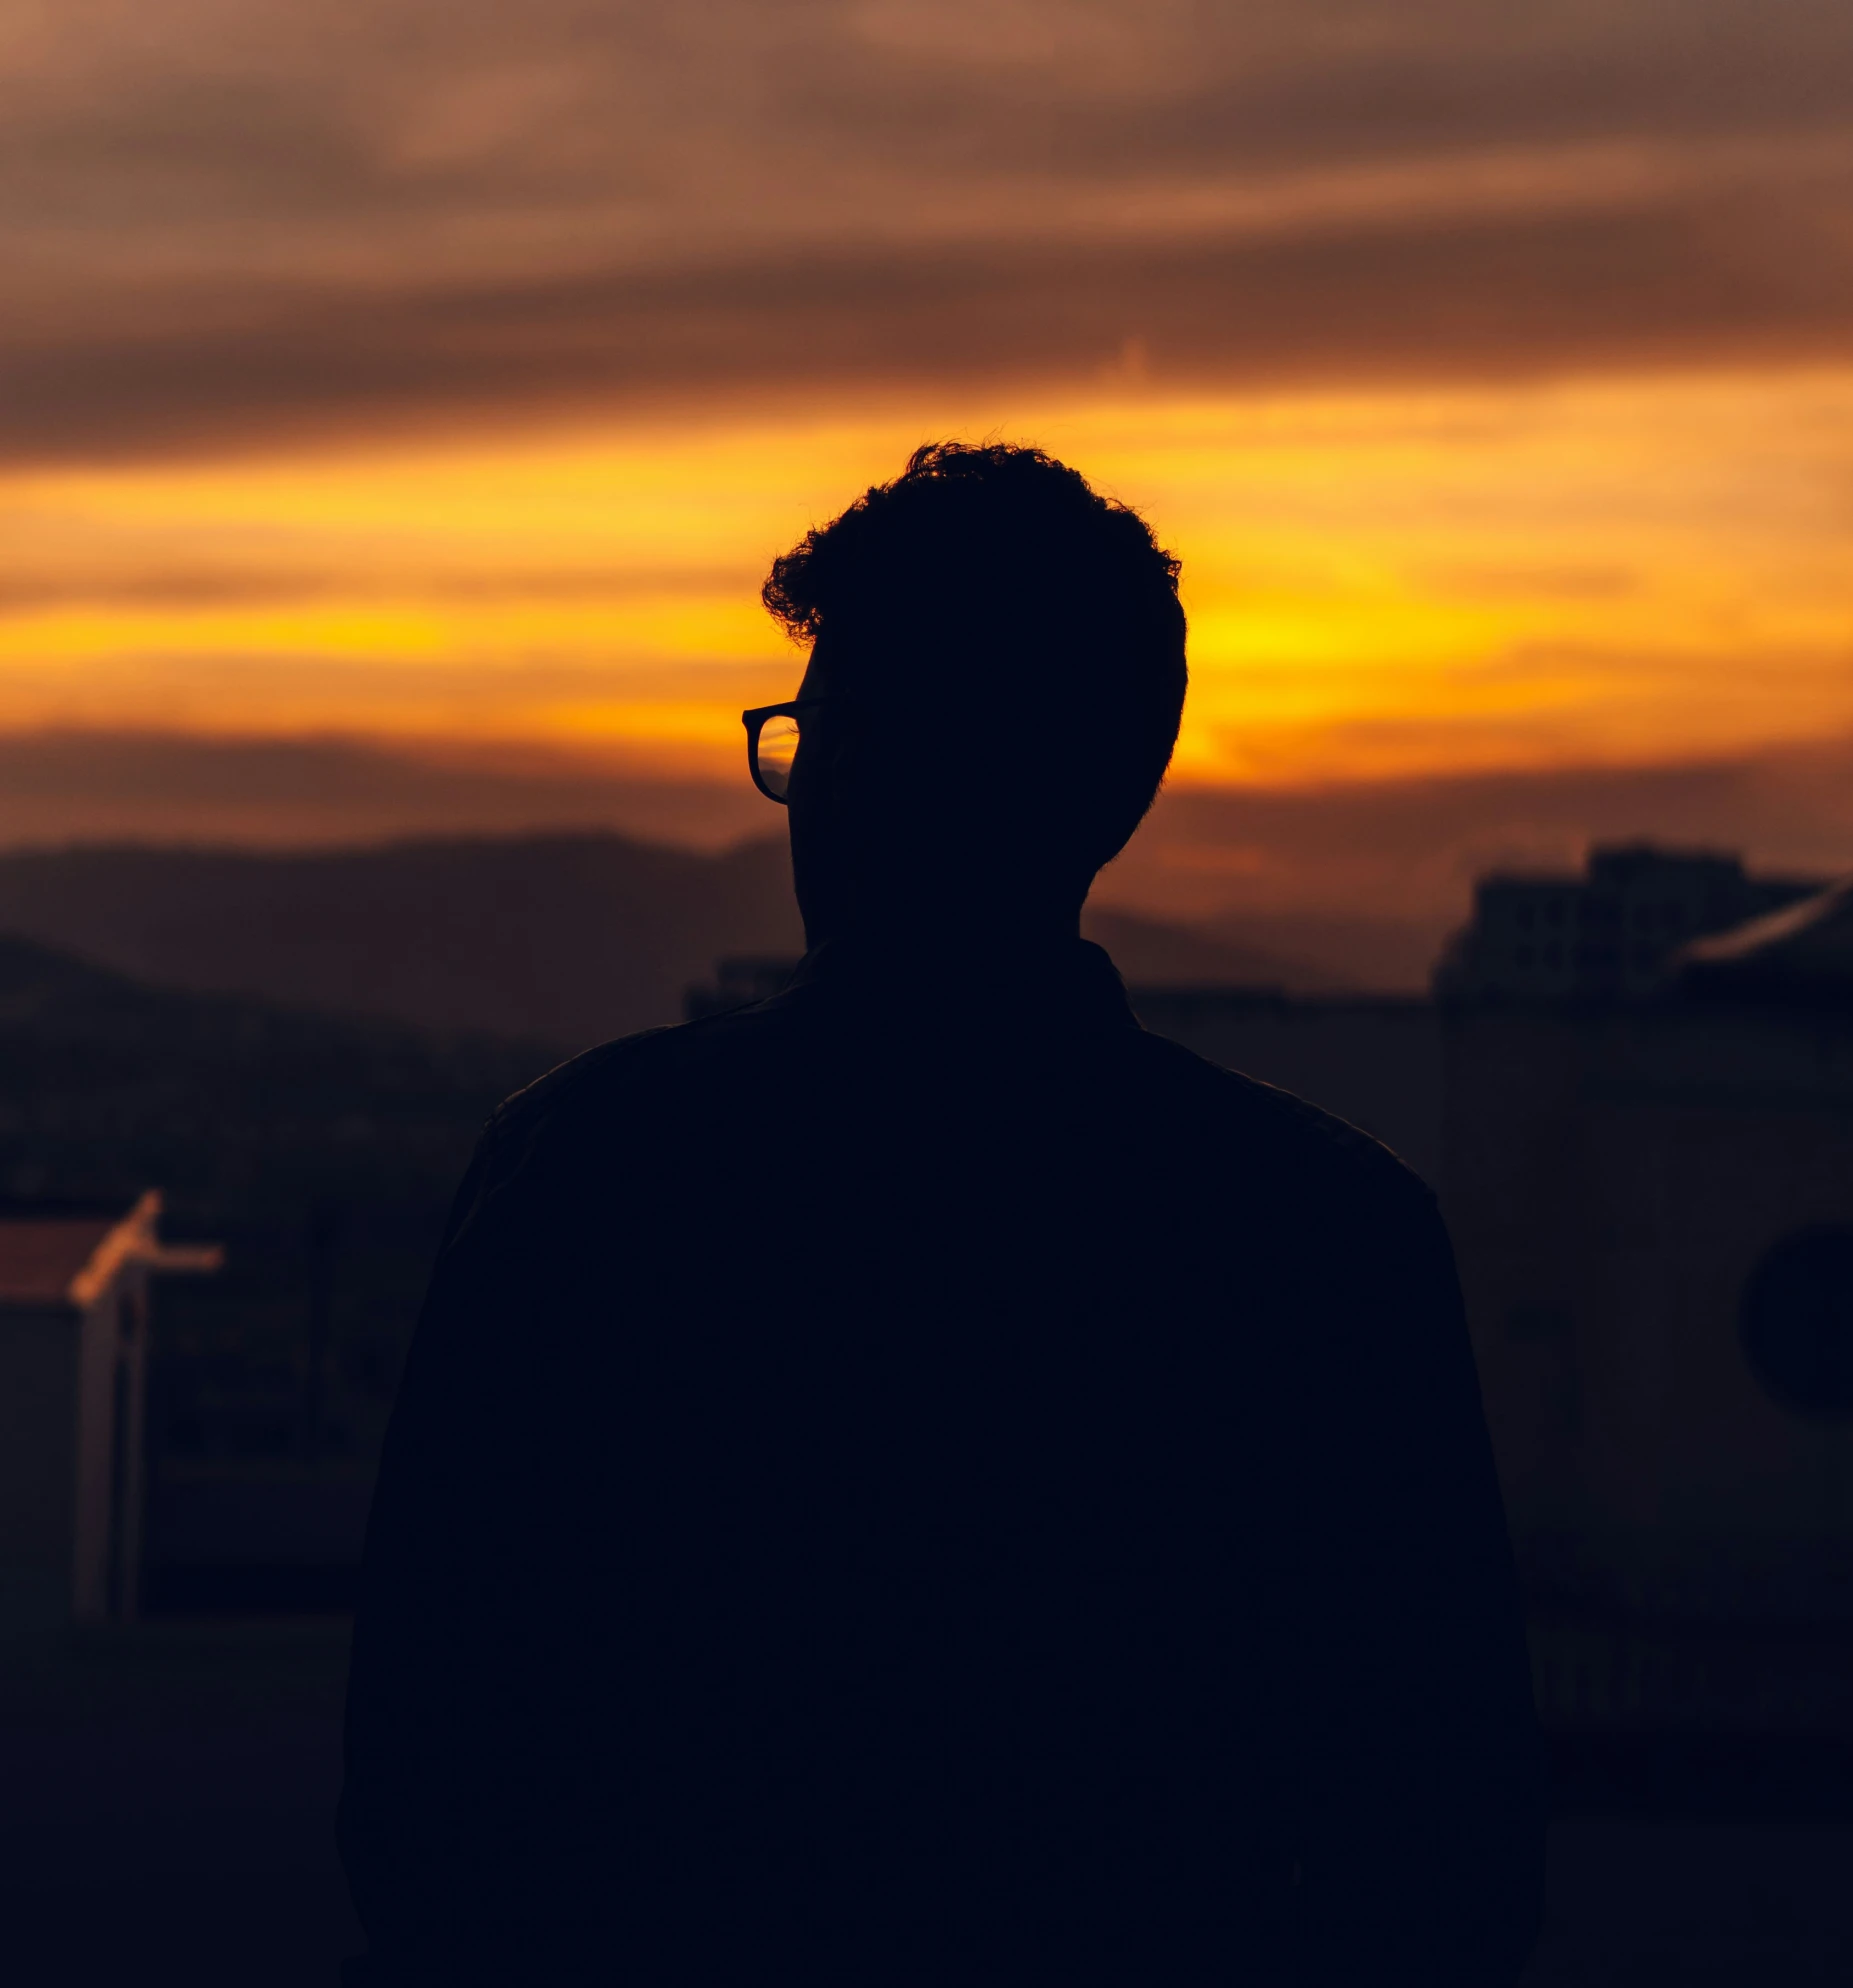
[24, 591]
[229, 220]
[1698, 284]
[70, 786]
[1591, 582]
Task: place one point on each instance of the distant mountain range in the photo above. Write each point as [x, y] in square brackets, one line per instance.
[243, 1110]
[1358, 883]
[1150, 952]
[178, 789]
[566, 938]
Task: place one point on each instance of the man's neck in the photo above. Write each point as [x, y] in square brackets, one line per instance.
[1005, 934]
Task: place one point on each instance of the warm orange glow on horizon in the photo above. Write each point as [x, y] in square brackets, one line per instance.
[1379, 583]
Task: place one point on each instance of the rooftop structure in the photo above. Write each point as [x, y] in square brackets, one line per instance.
[73, 1372]
[1801, 954]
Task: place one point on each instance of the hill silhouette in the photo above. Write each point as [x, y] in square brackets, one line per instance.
[239, 1108]
[1353, 883]
[573, 938]
[566, 938]
[1150, 952]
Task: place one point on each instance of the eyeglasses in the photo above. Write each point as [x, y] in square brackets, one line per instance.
[772, 736]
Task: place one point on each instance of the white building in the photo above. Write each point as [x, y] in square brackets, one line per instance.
[1652, 1204]
[73, 1378]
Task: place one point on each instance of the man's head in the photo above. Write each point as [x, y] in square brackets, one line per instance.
[999, 655]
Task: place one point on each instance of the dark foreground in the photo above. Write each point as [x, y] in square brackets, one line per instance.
[169, 1791]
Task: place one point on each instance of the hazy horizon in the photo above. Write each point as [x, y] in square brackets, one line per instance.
[1360, 878]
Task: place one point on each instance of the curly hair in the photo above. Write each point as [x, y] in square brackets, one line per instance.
[1057, 600]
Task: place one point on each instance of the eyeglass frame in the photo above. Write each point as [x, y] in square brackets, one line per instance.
[755, 720]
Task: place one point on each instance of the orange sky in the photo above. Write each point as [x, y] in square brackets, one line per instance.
[1631, 568]
[437, 369]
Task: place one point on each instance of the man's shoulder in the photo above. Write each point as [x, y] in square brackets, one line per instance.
[1261, 1123]
[711, 1069]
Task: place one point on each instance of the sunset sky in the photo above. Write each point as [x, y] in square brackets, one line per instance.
[452, 373]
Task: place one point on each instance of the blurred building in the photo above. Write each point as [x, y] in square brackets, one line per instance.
[1652, 1202]
[1608, 933]
[73, 1375]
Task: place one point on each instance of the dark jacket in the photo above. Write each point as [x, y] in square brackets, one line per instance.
[923, 1482]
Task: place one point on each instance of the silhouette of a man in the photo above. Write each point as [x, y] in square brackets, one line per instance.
[919, 1482]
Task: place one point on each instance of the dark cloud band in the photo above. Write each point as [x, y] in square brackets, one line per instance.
[1679, 282]
[270, 218]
